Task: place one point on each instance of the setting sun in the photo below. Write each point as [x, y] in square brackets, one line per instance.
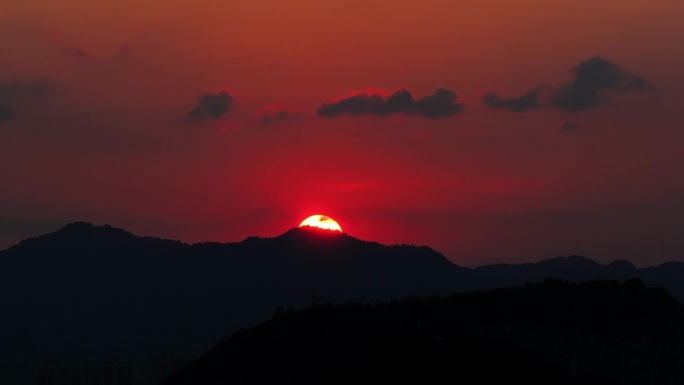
[321, 222]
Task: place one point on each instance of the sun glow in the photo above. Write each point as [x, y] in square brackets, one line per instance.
[321, 222]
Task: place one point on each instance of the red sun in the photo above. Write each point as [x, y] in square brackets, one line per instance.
[321, 222]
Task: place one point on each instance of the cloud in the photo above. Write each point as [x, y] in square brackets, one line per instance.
[438, 105]
[516, 104]
[569, 126]
[270, 117]
[6, 112]
[17, 92]
[211, 107]
[13, 91]
[592, 80]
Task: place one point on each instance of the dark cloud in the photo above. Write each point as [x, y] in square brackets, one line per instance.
[569, 126]
[270, 117]
[355, 105]
[593, 79]
[6, 112]
[13, 91]
[211, 106]
[17, 92]
[516, 104]
[438, 105]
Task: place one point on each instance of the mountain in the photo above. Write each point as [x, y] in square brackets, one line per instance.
[553, 332]
[576, 268]
[99, 297]
[88, 295]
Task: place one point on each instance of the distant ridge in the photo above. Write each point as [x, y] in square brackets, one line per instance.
[97, 293]
[84, 234]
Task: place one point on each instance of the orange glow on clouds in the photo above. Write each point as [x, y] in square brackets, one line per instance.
[321, 222]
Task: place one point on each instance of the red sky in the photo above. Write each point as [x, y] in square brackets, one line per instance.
[96, 122]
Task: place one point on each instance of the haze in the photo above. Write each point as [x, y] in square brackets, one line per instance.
[222, 120]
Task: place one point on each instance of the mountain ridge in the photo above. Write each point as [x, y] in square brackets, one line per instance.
[90, 292]
[296, 232]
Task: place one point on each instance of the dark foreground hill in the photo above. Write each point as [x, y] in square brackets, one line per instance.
[100, 297]
[553, 332]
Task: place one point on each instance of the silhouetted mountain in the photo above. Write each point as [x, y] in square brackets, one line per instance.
[87, 295]
[577, 269]
[553, 332]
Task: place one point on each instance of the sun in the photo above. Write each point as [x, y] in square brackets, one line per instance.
[321, 222]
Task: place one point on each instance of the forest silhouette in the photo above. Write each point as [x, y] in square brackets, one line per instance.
[554, 332]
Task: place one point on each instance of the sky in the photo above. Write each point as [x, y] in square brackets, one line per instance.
[492, 131]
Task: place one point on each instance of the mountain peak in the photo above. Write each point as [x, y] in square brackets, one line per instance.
[622, 264]
[313, 233]
[78, 225]
[79, 236]
[87, 229]
[309, 237]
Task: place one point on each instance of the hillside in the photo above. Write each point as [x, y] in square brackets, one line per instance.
[553, 332]
[88, 296]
